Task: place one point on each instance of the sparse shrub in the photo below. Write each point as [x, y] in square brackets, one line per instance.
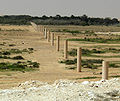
[33, 64]
[97, 40]
[114, 50]
[10, 66]
[18, 58]
[12, 45]
[16, 51]
[19, 66]
[71, 68]
[93, 77]
[116, 76]
[2, 44]
[97, 51]
[24, 50]
[73, 32]
[5, 53]
[68, 62]
[85, 52]
[31, 49]
[73, 52]
[88, 63]
[113, 65]
[91, 66]
[98, 61]
[5, 57]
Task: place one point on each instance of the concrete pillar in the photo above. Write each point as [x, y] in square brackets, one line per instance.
[105, 66]
[58, 43]
[79, 54]
[43, 30]
[65, 49]
[45, 33]
[37, 28]
[40, 28]
[52, 39]
[48, 37]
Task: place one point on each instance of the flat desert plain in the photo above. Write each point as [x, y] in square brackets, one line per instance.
[50, 70]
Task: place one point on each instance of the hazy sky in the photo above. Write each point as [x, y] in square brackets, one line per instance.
[95, 8]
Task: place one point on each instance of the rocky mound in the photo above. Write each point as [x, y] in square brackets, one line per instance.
[64, 90]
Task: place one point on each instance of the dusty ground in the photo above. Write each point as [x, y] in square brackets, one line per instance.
[49, 70]
[87, 28]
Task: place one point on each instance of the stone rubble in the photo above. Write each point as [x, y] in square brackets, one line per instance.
[64, 90]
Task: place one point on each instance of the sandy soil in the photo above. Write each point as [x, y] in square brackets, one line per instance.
[49, 70]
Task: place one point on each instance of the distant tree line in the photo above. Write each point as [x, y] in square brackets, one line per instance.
[56, 20]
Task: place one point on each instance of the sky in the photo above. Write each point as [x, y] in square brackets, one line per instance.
[92, 8]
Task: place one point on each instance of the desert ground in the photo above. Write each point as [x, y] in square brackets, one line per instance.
[50, 70]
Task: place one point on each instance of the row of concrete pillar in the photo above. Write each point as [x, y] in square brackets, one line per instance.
[105, 64]
[47, 35]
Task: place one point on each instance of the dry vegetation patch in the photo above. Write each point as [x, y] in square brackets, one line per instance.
[34, 50]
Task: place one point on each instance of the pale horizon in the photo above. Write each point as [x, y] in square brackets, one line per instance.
[92, 8]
